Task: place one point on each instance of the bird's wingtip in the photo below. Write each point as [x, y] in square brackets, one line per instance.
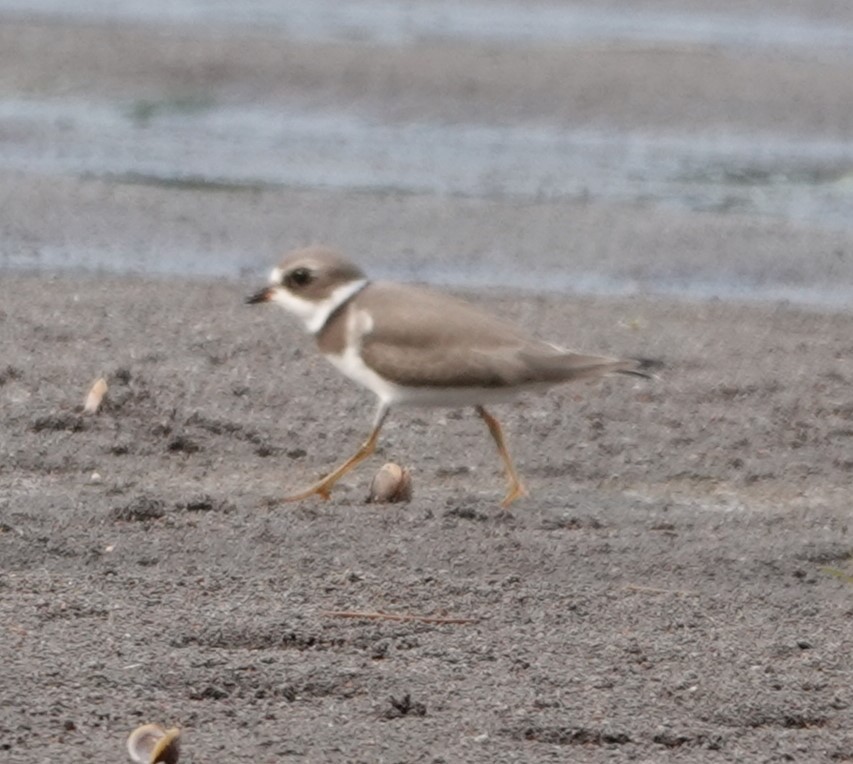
[644, 367]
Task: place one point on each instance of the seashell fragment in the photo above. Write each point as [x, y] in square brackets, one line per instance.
[95, 396]
[151, 744]
[391, 484]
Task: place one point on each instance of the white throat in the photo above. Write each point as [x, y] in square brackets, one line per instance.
[314, 313]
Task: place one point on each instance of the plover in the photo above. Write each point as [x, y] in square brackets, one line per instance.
[413, 346]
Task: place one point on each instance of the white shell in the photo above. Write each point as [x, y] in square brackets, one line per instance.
[95, 396]
[151, 744]
[391, 484]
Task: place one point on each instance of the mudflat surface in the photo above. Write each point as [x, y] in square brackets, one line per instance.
[676, 587]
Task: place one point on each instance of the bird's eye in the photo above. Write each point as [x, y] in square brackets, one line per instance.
[298, 277]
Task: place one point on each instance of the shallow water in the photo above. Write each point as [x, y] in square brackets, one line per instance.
[209, 145]
[199, 143]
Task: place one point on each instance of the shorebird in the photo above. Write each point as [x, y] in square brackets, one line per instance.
[413, 346]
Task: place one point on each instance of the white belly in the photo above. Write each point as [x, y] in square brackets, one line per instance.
[350, 364]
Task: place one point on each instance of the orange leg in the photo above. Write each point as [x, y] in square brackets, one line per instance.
[324, 487]
[516, 488]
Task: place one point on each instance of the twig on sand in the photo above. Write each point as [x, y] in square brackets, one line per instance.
[655, 590]
[377, 616]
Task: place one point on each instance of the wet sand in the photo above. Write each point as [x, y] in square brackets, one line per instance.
[659, 86]
[677, 586]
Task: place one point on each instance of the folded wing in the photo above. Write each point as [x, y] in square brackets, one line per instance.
[424, 338]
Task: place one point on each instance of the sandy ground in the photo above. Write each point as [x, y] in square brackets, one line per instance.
[676, 588]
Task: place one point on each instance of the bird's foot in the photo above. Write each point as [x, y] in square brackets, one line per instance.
[516, 491]
[323, 489]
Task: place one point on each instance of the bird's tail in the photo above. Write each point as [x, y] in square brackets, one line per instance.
[567, 366]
